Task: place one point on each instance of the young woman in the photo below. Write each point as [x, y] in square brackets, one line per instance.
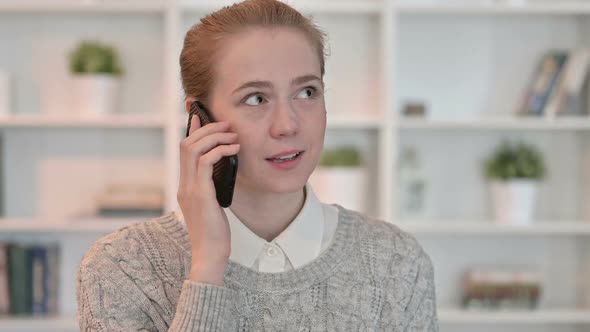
[277, 259]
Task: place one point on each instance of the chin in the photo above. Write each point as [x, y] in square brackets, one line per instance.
[286, 186]
[277, 185]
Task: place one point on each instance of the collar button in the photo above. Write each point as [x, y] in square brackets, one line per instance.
[272, 251]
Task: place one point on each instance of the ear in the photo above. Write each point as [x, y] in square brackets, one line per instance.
[188, 102]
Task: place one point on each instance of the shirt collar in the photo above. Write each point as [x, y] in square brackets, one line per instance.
[301, 241]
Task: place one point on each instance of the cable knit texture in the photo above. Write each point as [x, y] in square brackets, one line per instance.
[372, 277]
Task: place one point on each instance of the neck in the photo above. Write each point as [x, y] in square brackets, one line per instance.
[266, 214]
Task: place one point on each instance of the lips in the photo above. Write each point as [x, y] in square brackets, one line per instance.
[288, 163]
[284, 154]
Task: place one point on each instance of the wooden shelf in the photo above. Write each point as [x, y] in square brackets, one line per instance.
[470, 8]
[107, 121]
[309, 6]
[507, 123]
[459, 228]
[537, 317]
[81, 6]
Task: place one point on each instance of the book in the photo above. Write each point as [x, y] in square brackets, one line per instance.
[501, 288]
[565, 98]
[19, 280]
[40, 279]
[543, 82]
[53, 268]
[2, 178]
[131, 200]
[4, 290]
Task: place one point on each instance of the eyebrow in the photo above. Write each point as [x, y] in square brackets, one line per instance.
[266, 84]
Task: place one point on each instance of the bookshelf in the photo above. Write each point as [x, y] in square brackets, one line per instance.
[308, 6]
[542, 317]
[80, 226]
[60, 323]
[470, 62]
[337, 122]
[495, 8]
[554, 318]
[497, 123]
[82, 7]
[483, 228]
[112, 121]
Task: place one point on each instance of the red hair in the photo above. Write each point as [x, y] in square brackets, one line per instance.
[203, 39]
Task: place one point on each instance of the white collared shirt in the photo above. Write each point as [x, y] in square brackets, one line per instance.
[308, 235]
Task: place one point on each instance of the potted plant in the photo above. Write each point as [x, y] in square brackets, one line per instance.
[96, 75]
[514, 172]
[341, 178]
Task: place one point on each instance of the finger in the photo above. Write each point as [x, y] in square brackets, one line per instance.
[208, 129]
[196, 150]
[195, 123]
[191, 154]
[210, 141]
[206, 162]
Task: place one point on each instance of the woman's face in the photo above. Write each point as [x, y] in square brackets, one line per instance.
[268, 87]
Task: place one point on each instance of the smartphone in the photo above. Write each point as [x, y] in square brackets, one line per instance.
[225, 170]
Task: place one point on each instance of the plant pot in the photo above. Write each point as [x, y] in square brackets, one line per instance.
[345, 186]
[514, 201]
[95, 95]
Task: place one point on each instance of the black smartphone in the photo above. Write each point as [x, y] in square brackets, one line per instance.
[225, 170]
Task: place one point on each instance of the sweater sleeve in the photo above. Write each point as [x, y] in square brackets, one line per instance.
[202, 307]
[104, 306]
[421, 310]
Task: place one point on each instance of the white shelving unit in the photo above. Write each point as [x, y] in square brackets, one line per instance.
[470, 62]
[541, 317]
[554, 318]
[85, 225]
[77, 7]
[60, 323]
[499, 123]
[337, 122]
[120, 121]
[496, 8]
[488, 228]
[307, 6]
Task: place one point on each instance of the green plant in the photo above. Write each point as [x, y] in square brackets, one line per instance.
[347, 156]
[515, 161]
[91, 57]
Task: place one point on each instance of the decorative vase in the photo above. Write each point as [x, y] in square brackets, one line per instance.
[95, 95]
[514, 201]
[345, 186]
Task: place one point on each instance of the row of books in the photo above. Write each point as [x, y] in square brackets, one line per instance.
[130, 200]
[29, 279]
[555, 88]
[501, 288]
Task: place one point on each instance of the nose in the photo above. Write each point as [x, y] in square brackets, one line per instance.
[285, 121]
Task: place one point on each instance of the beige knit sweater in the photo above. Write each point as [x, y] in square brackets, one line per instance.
[372, 277]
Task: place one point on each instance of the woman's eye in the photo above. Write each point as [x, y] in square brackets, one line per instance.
[254, 99]
[307, 92]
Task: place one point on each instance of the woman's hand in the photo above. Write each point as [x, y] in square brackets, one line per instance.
[207, 224]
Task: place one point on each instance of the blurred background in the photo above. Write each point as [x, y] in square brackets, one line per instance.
[463, 122]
